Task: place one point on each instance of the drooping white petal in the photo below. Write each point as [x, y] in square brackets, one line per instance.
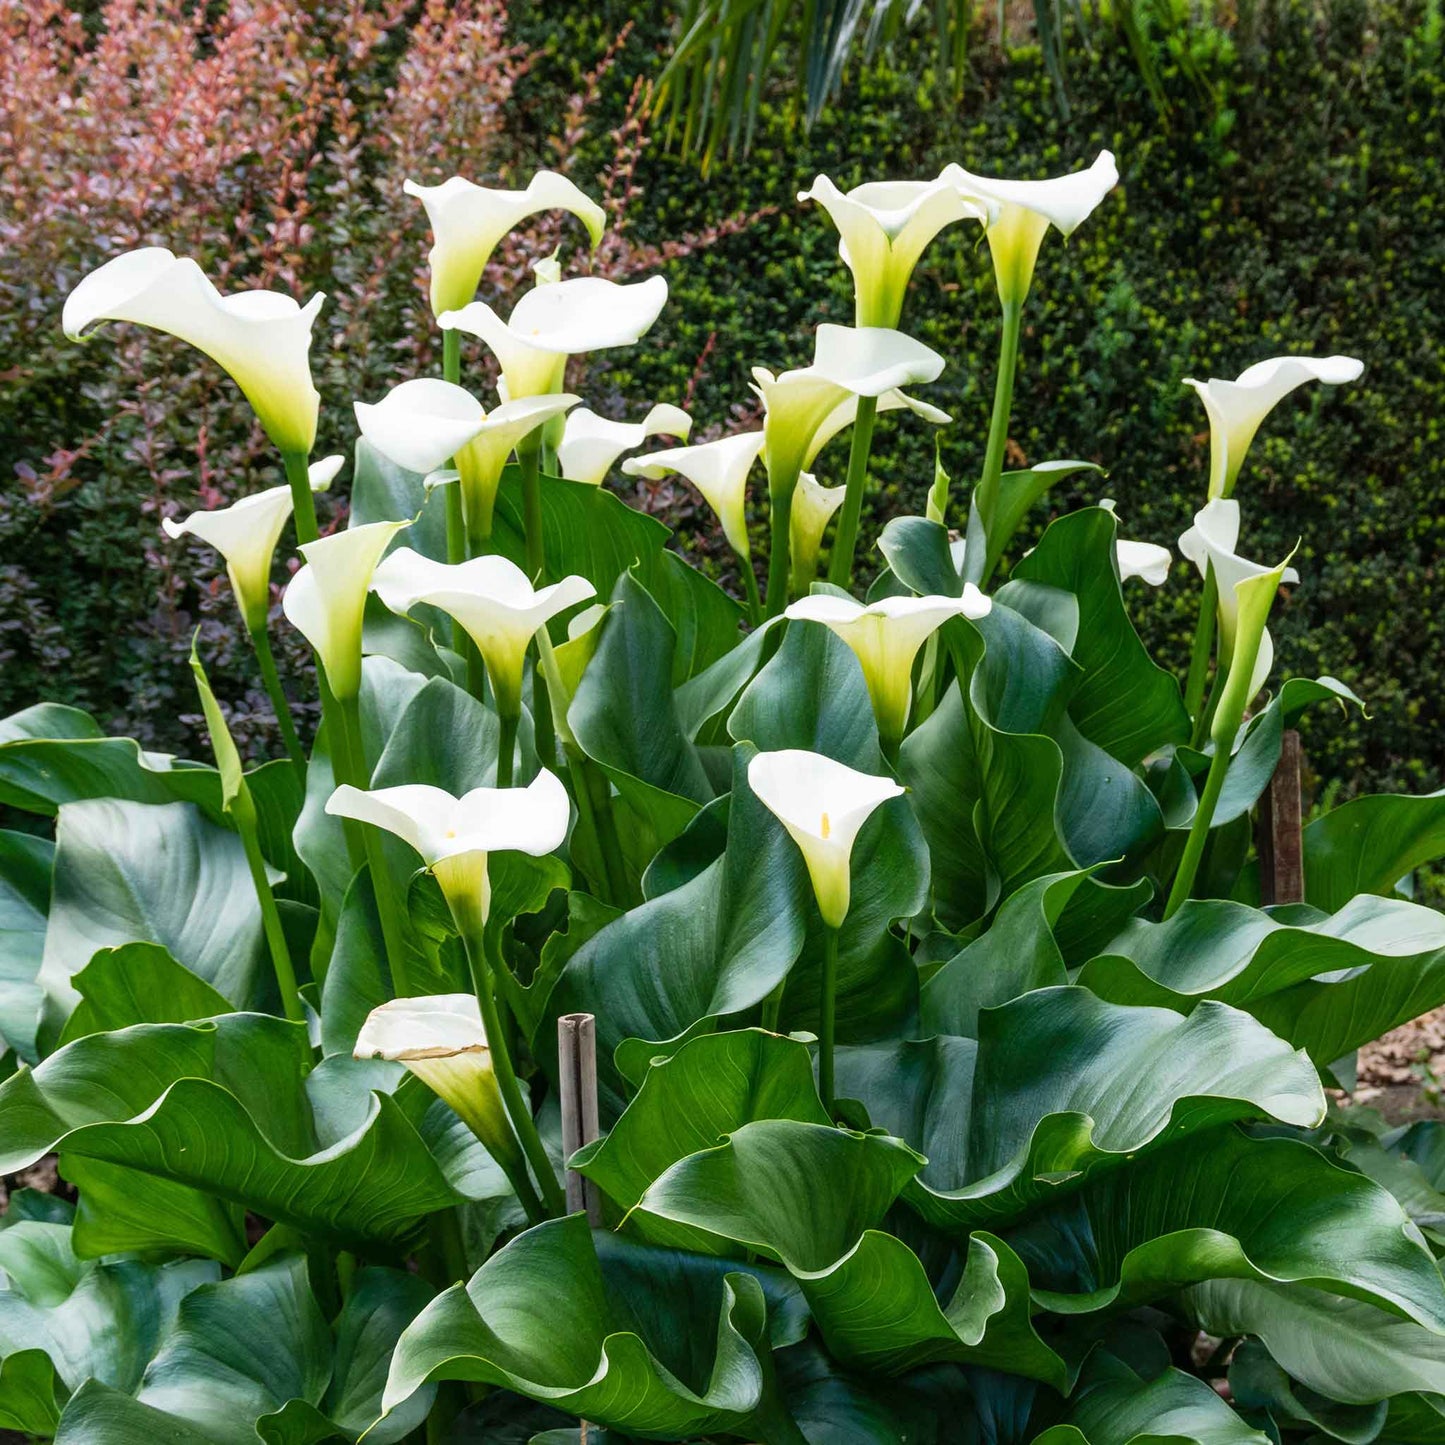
[845, 413]
[1022, 211]
[492, 599]
[246, 533]
[262, 338]
[554, 321]
[468, 221]
[883, 229]
[417, 813]
[1145, 560]
[886, 636]
[326, 599]
[823, 804]
[591, 444]
[420, 424]
[1236, 408]
[719, 470]
[322, 473]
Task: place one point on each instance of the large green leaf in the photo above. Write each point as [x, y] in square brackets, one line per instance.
[130, 872]
[1124, 702]
[1369, 844]
[25, 866]
[138, 983]
[917, 550]
[221, 1106]
[657, 1344]
[1257, 1383]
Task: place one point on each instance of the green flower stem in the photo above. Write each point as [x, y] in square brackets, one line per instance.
[261, 641]
[544, 735]
[280, 952]
[986, 499]
[303, 502]
[773, 1007]
[337, 744]
[609, 842]
[352, 759]
[532, 509]
[829, 1012]
[476, 669]
[482, 962]
[506, 747]
[780, 522]
[1199, 655]
[750, 586]
[587, 817]
[845, 541]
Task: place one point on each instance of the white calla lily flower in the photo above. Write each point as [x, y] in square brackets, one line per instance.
[591, 444]
[813, 508]
[420, 424]
[823, 804]
[1021, 213]
[455, 835]
[1236, 408]
[560, 319]
[246, 533]
[326, 600]
[262, 338]
[494, 602]
[1210, 544]
[848, 362]
[441, 1039]
[846, 413]
[468, 221]
[719, 470]
[883, 229]
[1147, 561]
[886, 636]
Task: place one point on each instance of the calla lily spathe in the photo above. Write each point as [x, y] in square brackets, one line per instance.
[591, 444]
[1210, 544]
[246, 533]
[326, 599]
[454, 835]
[719, 470]
[1021, 212]
[813, 508]
[440, 1038]
[886, 636]
[1147, 561]
[846, 413]
[848, 362]
[1236, 408]
[468, 220]
[420, 424]
[823, 804]
[494, 602]
[883, 229]
[556, 320]
[262, 338]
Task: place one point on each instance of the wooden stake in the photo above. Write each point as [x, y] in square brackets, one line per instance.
[577, 1061]
[1278, 838]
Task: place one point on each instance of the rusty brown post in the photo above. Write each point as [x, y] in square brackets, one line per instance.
[577, 1064]
[1279, 837]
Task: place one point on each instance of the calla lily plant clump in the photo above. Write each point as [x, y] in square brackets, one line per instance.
[954, 1081]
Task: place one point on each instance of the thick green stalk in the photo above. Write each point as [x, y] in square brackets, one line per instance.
[261, 641]
[773, 1007]
[388, 907]
[482, 961]
[1003, 394]
[1199, 654]
[506, 748]
[829, 1012]
[750, 586]
[608, 839]
[1199, 830]
[532, 510]
[780, 523]
[303, 503]
[271, 920]
[336, 743]
[845, 540]
[544, 733]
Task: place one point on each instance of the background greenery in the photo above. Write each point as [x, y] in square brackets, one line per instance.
[1287, 198]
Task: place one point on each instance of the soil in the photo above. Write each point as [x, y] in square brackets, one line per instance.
[1403, 1074]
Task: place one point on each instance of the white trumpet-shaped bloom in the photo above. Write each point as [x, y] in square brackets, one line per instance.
[1236, 408]
[468, 220]
[823, 804]
[846, 413]
[883, 229]
[493, 600]
[813, 508]
[1021, 212]
[1147, 561]
[556, 320]
[326, 600]
[454, 835]
[1210, 544]
[421, 424]
[591, 444]
[719, 470]
[886, 636]
[848, 362]
[441, 1039]
[262, 338]
[246, 533]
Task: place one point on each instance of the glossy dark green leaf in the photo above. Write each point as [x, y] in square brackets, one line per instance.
[1257, 1383]
[138, 983]
[916, 549]
[25, 866]
[989, 535]
[1369, 844]
[30, 1395]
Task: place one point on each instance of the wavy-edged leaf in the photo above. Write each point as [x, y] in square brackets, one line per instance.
[1369, 844]
[25, 867]
[1257, 1383]
[917, 550]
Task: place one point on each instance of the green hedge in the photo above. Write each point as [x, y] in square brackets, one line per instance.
[1303, 212]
